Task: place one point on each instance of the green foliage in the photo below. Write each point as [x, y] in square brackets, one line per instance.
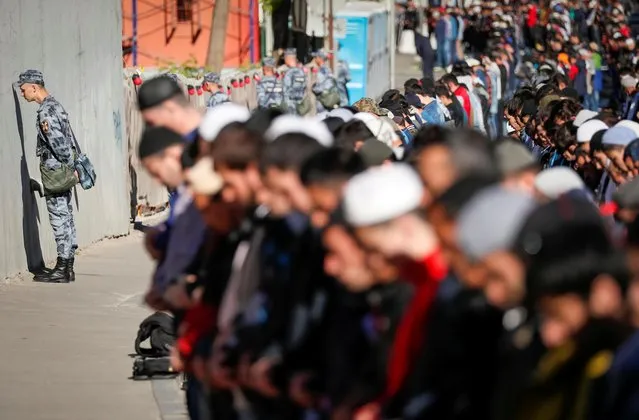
[269, 5]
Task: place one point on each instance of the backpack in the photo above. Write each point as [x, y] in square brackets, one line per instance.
[330, 98]
[158, 329]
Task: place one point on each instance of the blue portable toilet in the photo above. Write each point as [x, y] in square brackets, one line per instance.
[361, 29]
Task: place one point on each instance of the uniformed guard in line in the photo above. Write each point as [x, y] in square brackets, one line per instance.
[269, 88]
[325, 87]
[294, 85]
[212, 84]
[55, 147]
[343, 77]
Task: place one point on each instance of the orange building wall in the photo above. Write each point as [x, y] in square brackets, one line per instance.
[153, 50]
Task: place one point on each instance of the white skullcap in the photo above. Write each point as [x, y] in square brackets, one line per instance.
[365, 116]
[219, 117]
[203, 179]
[342, 113]
[554, 182]
[321, 116]
[634, 126]
[472, 62]
[583, 116]
[588, 129]
[381, 194]
[628, 81]
[288, 123]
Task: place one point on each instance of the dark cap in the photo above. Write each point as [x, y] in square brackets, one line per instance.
[413, 100]
[375, 153]
[157, 139]
[157, 90]
[627, 195]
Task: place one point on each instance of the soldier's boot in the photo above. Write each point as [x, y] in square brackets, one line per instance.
[59, 274]
[70, 271]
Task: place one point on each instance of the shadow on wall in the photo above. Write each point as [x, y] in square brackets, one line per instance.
[30, 214]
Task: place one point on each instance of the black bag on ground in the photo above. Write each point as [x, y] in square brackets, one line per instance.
[159, 330]
[152, 367]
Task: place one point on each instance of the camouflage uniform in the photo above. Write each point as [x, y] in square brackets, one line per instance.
[217, 97]
[55, 148]
[294, 86]
[325, 81]
[269, 89]
[343, 77]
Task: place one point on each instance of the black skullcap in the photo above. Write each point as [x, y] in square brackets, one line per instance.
[157, 90]
[157, 139]
[570, 93]
[529, 108]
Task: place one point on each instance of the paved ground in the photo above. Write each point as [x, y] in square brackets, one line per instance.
[65, 347]
[406, 67]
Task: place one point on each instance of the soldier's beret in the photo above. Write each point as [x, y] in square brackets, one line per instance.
[157, 90]
[31, 76]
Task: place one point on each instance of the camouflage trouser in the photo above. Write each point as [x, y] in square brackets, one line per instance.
[62, 223]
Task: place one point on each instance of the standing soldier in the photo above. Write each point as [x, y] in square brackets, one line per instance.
[294, 85]
[325, 88]
[269, 88]
[343, 77]
[55, 147]
[212, 84]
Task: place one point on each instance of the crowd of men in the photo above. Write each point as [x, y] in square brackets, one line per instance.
[464, 248]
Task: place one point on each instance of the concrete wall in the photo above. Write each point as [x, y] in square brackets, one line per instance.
[77, 44]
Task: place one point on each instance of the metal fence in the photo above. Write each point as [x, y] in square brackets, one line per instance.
[146, 194]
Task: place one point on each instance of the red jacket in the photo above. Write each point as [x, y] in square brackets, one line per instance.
[197, 322]
[463, 93]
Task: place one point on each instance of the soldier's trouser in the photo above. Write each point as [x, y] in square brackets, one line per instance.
[62, 223]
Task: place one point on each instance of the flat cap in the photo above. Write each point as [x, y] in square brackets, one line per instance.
[31, 76]
[618, 136]
[381, 194]
[588, 129]
[583, 116]
[311, 127]
[268, 62]
[157, 90]
[212, 78]
[157, 139]
[320, 54]
[491, 221]
[513, 157]
[554, 182]
[220, 116]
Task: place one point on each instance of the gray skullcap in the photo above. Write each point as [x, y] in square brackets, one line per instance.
[212, 78]
[491, 220]
[220, 116]
[583, 116]
[557, 181]
[588, 129]
[618, 136]
[268, 62]
[513, 157]
[374, 152]
[31, 76]
[633, 125]
[157, 90]
[381, 194]
[627, 195]
[311, 127]
[290, 52]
